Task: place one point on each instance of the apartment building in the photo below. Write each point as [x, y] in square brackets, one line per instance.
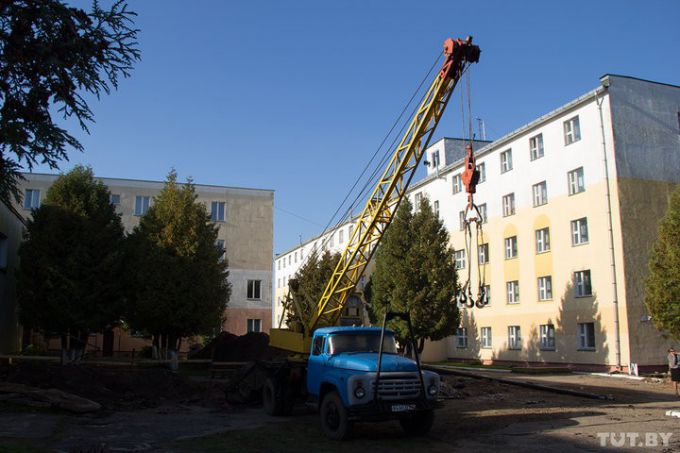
[245, 220]
[570, 204]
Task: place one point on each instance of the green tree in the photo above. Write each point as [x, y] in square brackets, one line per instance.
[307, 287]
[51, 56]
[415, 273]
[68, 282]
[176, 275]
[662, 296]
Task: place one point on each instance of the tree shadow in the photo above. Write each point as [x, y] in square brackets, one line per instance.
[472, 352]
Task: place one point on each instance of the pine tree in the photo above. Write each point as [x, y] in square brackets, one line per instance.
[176, 276]
[415, 273]
[662, 296]
[68, 282]
[307, 287]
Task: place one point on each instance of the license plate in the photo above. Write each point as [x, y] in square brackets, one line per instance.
[403, 407]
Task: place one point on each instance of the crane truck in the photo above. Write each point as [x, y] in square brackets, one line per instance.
[354, 374]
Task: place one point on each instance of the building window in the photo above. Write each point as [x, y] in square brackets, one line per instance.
[483, 253]
[582, 284]
[586, 335]
[217, 211]
[482, 212]
[295, 259]
[536, 146]
[543, 240]
[435, 159]
[512, 291]
[418, 199]
[457, 183]
[481, 168]
[514, 337]
[350, 229]
[115, 199]
[572, 131]
[506, 161]
[545, 288]
[461, 220]
[459, 259]
[436, 208]
[508, 204]
[290, 259]
[486, 337]
[579, 231]
[219, 244]
[32, 199]
[331, 241]
[576, 183]
[4, 251]
[254, 325]
[141, 204]
[511, 247]
[254, 289]
[547, 334]
[540, 193]
[278, 265]
[341, 236]
[487, 291]
[461, 337]
[278, 283]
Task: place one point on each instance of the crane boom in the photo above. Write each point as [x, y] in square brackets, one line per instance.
[385, 198]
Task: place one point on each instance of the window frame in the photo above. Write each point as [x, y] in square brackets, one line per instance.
[572, 130]
[539, 194]
[481, 168]
[586, 336]
[459, 255]
[141, 200]
[536, 150]
[578, 237]
[582, 283]
[578, 181]
[515, 338]
[483, 212]
[254, 293]
[254, 325]
[544, 285]
[457, 183]
[511, 246]
[508, 203]
[219, 214]
[546, 334]
[32, 202]
[460, 337]
[512, 289]
[483, 253]
[506, 161]
[486, 337]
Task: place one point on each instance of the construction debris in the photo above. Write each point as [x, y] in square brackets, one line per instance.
[49, 398]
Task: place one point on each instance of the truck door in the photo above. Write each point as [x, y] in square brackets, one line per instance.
[315, 365]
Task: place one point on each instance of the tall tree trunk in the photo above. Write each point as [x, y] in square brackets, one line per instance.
[421, 345]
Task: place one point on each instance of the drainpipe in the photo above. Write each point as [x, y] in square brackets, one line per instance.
[615, 301]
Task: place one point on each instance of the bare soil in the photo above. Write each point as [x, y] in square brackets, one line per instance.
[478, 415]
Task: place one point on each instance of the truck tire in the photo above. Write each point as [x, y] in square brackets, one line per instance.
[334, 422]
[276, 400]
[418, 424]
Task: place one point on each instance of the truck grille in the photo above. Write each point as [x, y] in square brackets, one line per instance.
[398, 387]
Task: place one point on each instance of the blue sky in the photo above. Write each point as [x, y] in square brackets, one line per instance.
[296, 95]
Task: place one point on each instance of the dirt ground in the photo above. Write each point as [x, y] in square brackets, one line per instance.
[481, 415]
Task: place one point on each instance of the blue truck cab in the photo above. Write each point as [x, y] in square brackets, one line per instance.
[350, 380]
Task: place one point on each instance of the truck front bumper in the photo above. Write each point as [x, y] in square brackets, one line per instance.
[390, 409]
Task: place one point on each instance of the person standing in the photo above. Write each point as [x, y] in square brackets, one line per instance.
[674, 367]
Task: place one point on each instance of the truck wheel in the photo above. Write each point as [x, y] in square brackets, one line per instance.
[418, 424]
[334, 422]
[272, 398]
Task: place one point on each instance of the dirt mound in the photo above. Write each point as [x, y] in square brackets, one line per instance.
[227, 347]
[113, 388]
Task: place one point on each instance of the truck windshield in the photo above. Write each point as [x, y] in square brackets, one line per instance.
[361, 342]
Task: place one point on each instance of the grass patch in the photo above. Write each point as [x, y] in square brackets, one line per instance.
[19, 447]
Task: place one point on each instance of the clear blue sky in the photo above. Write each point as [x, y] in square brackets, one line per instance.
[295, 95]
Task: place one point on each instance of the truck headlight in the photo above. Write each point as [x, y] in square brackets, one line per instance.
[432, 390]
[359, 392]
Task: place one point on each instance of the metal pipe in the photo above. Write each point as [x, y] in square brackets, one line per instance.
[615, 301]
